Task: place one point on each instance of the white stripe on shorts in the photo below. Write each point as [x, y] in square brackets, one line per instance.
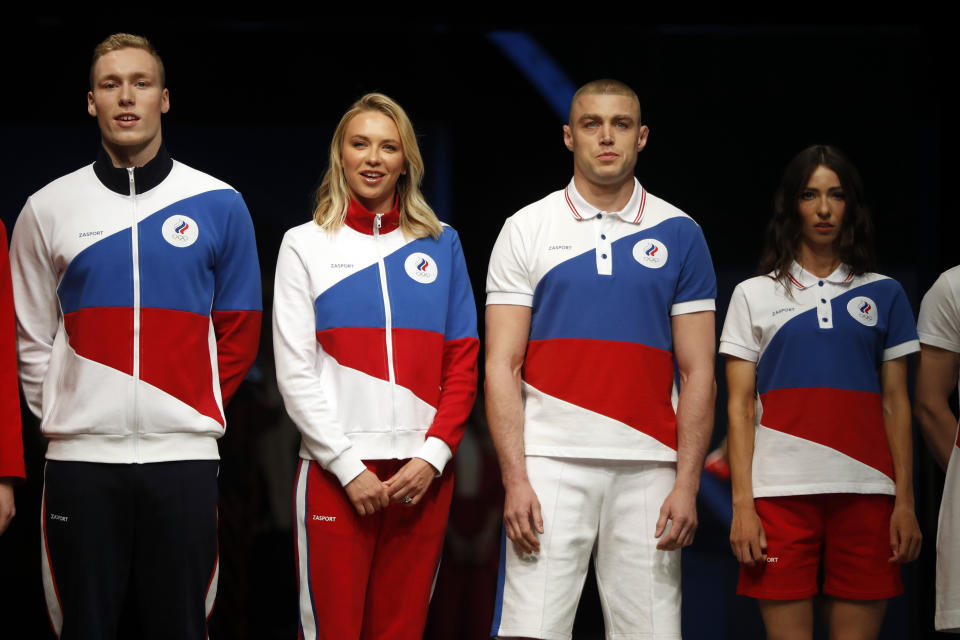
[308, 617]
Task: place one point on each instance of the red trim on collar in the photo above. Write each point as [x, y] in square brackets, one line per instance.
[566, 194]
[643, 201]
[795, 282]
[848, 278]
[638, 218]
[359, 219]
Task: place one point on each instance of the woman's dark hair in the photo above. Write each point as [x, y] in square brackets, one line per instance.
[854, 244]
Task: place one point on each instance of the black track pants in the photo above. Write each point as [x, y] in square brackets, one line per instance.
[112, 528]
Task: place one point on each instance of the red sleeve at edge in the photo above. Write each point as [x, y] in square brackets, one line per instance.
[459, 390]
[238, 338]
[11, 443]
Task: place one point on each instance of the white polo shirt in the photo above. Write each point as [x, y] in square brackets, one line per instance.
[939, 321]
[598, 377]
[818, 347]
[939, 326]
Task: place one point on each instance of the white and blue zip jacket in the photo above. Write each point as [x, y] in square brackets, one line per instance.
[137, 297]
[375, 339]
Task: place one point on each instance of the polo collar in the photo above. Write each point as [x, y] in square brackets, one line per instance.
[583, 210]
[802, 279]
[144, 178]
[360, 219]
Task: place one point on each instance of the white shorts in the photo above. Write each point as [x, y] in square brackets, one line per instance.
[948, 550]
[608, 509]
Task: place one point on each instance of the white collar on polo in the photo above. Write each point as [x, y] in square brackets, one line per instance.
[583, 210]
[801, 278]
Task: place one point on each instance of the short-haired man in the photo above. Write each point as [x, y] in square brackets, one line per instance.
[137, 290]
[593, 295]
[939, 330]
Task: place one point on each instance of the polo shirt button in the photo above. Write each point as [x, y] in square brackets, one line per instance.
[825, 320]
[603, 236]
[821, 283]
[823, 301]
[599, 215]
[604, 256]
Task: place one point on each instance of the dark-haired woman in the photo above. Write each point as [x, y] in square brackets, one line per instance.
[820, 445]
[374, 333]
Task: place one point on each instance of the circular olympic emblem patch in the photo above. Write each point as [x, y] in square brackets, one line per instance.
[180, 231]
[421, 267]
[650, 253]
[863, 310]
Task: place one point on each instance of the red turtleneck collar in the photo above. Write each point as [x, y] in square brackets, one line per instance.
[359, 219]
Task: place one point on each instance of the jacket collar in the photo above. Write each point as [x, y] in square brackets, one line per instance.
[359, 219]
[583, 210]
[144, 178]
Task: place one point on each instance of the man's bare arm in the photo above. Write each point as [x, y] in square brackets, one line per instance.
[936, 380]
[694, 345]
[508, 329]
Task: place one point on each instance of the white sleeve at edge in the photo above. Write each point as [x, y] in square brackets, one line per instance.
[508, 278]
[436, 452]
[36, 304]
[735, 350]
[295, 351]
[939, 321]
[738, 338]
[693, 306]
[900, 350]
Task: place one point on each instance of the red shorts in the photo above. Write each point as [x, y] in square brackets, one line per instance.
[850, 532]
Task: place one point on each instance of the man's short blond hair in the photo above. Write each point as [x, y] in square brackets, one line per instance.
[605, 86]
[119, 41]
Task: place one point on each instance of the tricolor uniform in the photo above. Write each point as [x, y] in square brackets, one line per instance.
[599, 403]
[818, 345]
[939, 326]
[376, 344]
[138, 310]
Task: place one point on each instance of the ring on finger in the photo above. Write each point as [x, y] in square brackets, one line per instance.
[407, 499]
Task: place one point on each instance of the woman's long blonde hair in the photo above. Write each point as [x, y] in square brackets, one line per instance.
[417, 219]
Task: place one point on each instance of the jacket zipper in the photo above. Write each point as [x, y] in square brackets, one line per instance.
[135, 239]
[389, 330]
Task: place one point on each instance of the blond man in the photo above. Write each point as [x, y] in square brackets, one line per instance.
[137, 293]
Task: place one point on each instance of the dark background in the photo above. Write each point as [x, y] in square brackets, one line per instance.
[254, 103]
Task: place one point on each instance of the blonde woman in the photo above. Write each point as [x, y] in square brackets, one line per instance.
[376, 345]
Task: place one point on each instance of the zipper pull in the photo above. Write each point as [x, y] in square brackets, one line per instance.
[133, 188]
[377, 223]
